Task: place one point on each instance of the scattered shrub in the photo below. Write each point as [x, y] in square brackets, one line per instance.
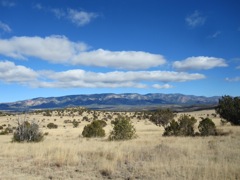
[6, 131]
[103, 123]
[123, 129]
[162, 117]
[183, 127]
[67, 121]
[95, 129]
[28, 132]
[172, 129]
[85, 118]
[229, 109]
[47, 113]
[9, 130]
[75, 123]
[52, 126]
[46, 133]
[186, 124]
[1, 127]
[207, 127]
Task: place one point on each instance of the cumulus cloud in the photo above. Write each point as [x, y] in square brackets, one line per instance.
[135, 79]
[11, 73]
[235, 79]
[5, 27]
[59, 49]
[78, 78]
[199, 63]
[164, 86]
[195, 19]
[119, 59]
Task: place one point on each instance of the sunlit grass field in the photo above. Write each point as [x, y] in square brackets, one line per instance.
[65, 154]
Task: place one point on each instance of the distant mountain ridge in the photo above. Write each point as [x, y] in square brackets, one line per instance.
[111, 100]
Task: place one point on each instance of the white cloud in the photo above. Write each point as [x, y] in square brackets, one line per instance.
[236, 79]
[7, 3]
[11, 73]
[78, 78]
[56, 49]
[77, 17]
[165, 86]
[59, 49]
[238, 67]
[119, 59]
[200, 62]
[80, 18]
[136, 79]
[195, 19]
[5, 27]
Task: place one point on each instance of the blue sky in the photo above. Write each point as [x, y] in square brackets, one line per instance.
[55, 48]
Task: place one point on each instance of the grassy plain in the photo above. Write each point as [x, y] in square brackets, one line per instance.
[65, 154]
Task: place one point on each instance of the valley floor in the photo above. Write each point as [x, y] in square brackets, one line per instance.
[65, 154]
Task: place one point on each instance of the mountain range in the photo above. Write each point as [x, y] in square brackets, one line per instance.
[110, 101]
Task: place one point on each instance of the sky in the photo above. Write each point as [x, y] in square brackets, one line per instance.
[54, 48]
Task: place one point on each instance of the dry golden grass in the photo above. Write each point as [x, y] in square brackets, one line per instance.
[64, 154]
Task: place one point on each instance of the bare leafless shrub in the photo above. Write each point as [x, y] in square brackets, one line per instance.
[27, 132]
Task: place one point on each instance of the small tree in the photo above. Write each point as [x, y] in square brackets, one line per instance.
[75, 123]
[207, 127]
[186, 124]
[162, 117]
[28, 132]
[95, 129]
[123, 129]
[184, 127]
[52, 126]
[229, 109]
[172, 129]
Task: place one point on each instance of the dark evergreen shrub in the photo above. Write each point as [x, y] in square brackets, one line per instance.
[52, 126]
[162, 117]
[183, 127]
[207, 127]
[229, 109]
[123, 129]
[95, 129]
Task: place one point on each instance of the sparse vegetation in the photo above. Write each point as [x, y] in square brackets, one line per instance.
[47, 113]
[52, 126]
[229, 109]
[65, 155]
[122, 130]
[75, 123]
[183, 127]
[27, 132]
[162, 117]
[95, 129]
[207, 127]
